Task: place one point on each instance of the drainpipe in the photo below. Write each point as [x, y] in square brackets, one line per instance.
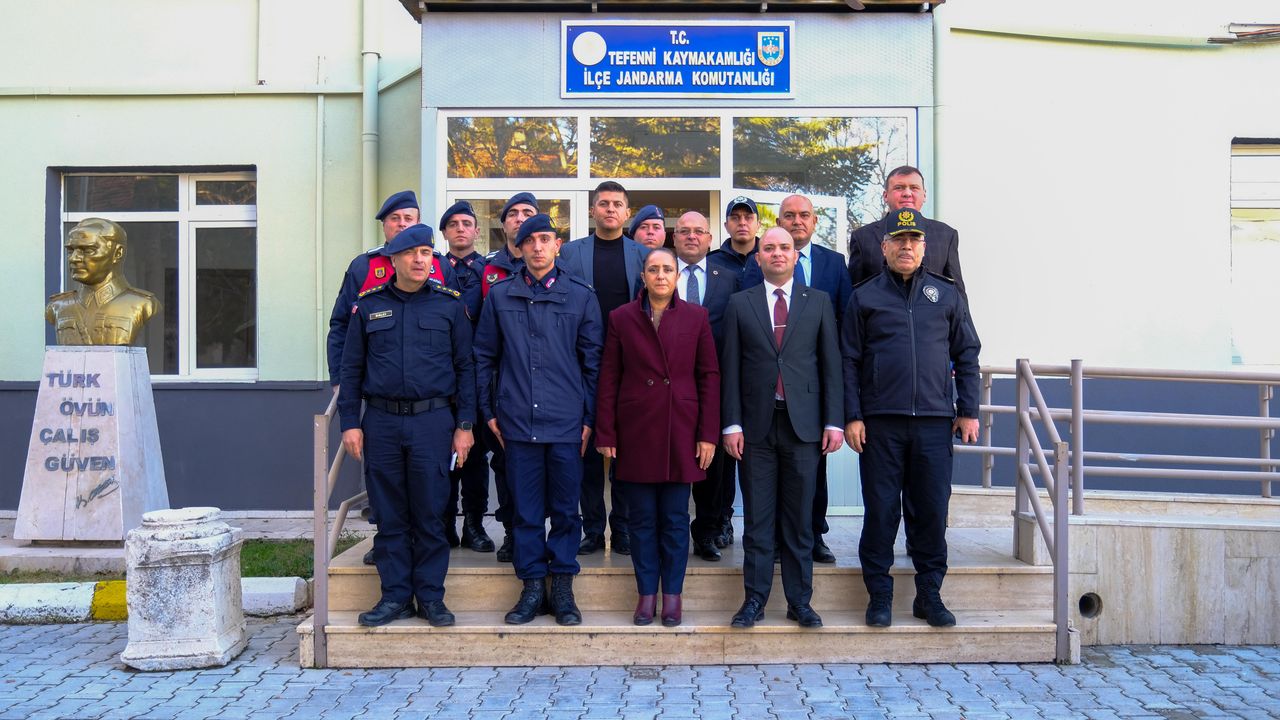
[369, 132]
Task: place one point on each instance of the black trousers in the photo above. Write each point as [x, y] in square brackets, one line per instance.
[778, 477]
[473, 479]
[592, 500]
[712, 496]
[498, 463]
[906, 474]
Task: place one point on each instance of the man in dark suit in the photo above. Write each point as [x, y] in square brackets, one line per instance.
[904, 188]
[782, 408]
[705, 278]
[611, 263]
[824, 269]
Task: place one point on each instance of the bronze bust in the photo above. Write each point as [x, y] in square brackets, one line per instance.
[105, 309]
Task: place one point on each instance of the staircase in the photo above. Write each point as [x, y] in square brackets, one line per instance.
[1003, 609]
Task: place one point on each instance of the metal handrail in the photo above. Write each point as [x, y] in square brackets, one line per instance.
[1266, 467]
[324, 539]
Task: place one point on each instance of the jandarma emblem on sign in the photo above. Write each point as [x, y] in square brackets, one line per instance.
[769, 47]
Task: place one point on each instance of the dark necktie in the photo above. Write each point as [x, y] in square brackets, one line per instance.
[800, 271]
[779, 327]
[693, 293]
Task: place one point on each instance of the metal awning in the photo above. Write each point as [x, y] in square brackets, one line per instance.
[666, 7]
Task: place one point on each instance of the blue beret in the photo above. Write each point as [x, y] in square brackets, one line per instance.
[399, 201]
[538, 223]
[741, 200]
[906, 220]
[648, 212]
[523, 198]
[462, 207]
[410, 237]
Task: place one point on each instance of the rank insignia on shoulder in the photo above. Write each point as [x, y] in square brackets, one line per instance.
[380, 314]
[446, 290]
[373, 289]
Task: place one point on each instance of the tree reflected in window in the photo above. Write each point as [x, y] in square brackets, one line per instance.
[843, 156]
[502, 147]
[655, 147]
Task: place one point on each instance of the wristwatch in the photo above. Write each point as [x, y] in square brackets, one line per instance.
[464, 425]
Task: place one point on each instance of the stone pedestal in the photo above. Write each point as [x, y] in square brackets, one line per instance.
[183, 594]
[93, 461]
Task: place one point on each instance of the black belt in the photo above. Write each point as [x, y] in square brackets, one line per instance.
[408, 407]
[779, 404]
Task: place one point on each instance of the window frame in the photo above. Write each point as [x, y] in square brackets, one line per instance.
[188, 217]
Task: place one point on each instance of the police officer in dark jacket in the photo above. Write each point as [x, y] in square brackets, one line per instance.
[742, 224]
[904, 330]
[500, 264]
[408, 357]
[540, 333]
[458, 225]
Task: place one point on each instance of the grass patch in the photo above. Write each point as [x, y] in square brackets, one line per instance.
[284, 558]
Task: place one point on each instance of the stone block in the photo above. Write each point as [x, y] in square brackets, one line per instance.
[264, 596]
[184, 595]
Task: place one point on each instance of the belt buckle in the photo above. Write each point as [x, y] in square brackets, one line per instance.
[404, 408]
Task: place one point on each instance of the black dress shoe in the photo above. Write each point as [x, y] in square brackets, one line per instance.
[706, 549]
[822, 553]
[368, 557]
[590, 544]
[747, 615]
[474, 537]
[880, 610]
[435, 612]
[507, 551]
[804, 615]
[386, 611]
[532, 602]
[725, 538]
[621, 543]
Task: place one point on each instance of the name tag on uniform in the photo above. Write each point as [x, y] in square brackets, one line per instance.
[380, 315]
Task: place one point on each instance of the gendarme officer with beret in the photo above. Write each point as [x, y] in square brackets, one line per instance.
[408, 356]
[540, 336]
[903, 332]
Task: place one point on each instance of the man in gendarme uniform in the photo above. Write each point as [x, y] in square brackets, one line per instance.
[407, 356]
[903, 332]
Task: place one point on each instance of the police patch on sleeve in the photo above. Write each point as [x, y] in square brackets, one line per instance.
[931, 293]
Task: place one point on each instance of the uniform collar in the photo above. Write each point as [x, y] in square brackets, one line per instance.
[102, 294]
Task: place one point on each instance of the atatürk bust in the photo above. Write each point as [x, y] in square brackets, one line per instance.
[105, 309]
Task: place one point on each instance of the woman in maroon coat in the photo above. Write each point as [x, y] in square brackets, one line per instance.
[658, 416]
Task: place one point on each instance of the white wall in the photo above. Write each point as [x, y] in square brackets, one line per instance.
[1090, 181]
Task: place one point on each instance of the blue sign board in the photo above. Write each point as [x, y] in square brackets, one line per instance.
[695, 59]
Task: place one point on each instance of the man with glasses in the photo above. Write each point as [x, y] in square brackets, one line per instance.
[903, 332]
[707, 280]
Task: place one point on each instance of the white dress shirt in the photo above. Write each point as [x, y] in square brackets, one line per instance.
[682, 281]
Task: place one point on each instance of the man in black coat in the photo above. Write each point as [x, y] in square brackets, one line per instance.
[782, 408]
[904, 188]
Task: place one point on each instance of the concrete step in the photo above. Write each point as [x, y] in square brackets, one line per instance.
[610, 638]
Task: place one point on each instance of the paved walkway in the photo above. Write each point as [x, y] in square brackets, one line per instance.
[74, 671]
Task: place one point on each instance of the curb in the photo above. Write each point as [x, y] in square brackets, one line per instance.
[55, 603]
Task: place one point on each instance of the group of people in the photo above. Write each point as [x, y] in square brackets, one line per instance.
[669, 369]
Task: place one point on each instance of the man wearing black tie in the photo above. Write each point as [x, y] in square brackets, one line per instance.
[782, 407]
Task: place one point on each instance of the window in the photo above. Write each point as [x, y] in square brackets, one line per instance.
[1255, 253]
[192, 241]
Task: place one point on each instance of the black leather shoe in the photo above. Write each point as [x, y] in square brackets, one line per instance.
[532, 602]
[725, 538]
[880, 610]
[822, 553]
[562, 604]
[706, 549]
[368, 557]
[386, 611]
[747, 616]
[474, 537]
[804, 615]
[506, 552]
[590, 544]
[928, 606]
[621, 543]
[435, 612]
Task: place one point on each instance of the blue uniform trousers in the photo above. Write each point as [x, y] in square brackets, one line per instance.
[659, 534]
[593, 516]
[407, 466]
[906, 473]
[473, 477]
[777, 505]
[544, 480]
